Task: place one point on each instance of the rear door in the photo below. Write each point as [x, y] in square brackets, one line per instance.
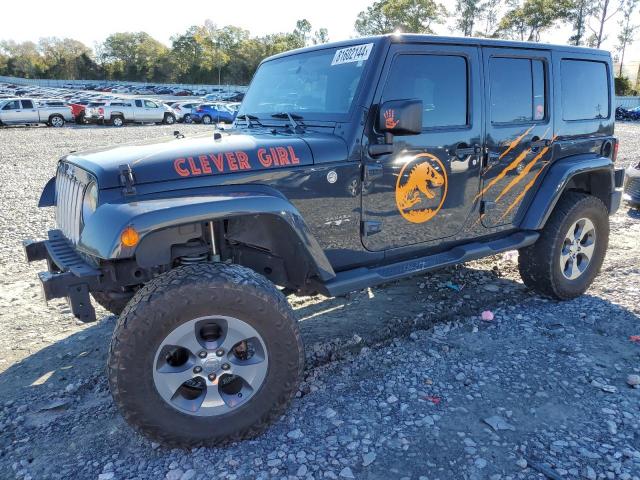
[424, 190]
[29, 112]
[519, 129]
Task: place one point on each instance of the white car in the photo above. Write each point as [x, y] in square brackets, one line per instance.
[27, 111]
[140, 110]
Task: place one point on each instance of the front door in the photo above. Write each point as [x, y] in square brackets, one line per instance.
[424, 191]
[12, 112]
[519, 129]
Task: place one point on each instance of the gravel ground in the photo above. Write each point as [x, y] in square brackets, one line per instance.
[425, 391]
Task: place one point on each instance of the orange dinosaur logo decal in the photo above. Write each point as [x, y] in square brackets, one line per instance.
[421, 181]
[390, 119]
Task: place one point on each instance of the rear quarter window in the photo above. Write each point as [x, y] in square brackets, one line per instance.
[585, 90]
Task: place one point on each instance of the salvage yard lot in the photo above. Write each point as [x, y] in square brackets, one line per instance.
[402, 381]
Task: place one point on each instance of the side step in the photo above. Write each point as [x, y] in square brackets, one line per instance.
[358, 278]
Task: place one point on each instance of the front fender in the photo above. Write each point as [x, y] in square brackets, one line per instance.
[101, 235]
[556, 181]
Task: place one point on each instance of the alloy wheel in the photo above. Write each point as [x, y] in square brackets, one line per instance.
[577, 248]
[209, 366]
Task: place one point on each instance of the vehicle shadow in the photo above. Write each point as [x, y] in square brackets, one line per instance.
[329, 326]
[59, 395]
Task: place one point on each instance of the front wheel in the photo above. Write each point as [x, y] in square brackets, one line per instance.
[566, 258]
[117, 121]
[205, 354]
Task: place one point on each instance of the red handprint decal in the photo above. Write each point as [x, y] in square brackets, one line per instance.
[390, 120]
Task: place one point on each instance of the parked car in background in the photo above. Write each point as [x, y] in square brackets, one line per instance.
[26, 111]
[143, 110]
[631, 193]
[213, 112]
[183, 110]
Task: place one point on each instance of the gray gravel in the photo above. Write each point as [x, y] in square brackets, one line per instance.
[402, 381]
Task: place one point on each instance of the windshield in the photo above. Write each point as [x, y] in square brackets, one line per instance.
[318, 84]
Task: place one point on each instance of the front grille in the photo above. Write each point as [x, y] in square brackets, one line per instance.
[69, 193]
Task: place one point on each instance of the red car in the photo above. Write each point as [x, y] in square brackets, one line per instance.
[77, 110]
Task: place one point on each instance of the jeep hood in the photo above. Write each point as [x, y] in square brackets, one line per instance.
[203, 155]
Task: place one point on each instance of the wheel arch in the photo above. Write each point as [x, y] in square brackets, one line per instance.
[254, 227]
[582, 173]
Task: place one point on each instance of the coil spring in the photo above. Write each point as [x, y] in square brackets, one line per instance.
[192, 259]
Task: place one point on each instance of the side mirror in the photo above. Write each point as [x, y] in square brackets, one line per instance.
[397, 117]
[400, 117]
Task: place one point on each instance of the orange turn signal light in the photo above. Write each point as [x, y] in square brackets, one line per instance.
[129, 237]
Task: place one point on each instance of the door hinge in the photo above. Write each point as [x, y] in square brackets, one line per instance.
[370, 227]
[372, 172]
[126, 179]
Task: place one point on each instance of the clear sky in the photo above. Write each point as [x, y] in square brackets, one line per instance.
[91, 22]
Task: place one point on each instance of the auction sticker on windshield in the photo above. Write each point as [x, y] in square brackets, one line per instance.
[357, 53]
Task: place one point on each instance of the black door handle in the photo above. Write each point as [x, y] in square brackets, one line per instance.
[463, 151]
[540, 143]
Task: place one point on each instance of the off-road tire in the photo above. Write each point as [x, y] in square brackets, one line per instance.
[539, 263]
[176, 297]
[113, 302]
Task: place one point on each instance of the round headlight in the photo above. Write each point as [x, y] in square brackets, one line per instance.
[90, 201]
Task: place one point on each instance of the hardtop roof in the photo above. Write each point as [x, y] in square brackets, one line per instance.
[437, 39]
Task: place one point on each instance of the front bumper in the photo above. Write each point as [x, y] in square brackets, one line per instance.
[68, 275]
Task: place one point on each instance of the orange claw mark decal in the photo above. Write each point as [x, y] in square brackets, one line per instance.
[515, 143]
[503, 173]
[523, 192]
[422, 179]
[525, 171]
[390, 120]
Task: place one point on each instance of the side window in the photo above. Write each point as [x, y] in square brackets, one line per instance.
[150, 104]
[440, 81]
[13, 105]
[138, 103]
[27, 104]
[585, 90]
[518, 90]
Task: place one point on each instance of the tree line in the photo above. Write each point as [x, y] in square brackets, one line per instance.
[202, 54]
[229, 54]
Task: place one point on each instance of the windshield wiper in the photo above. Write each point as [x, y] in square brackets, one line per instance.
[292, 117]
[249, 118]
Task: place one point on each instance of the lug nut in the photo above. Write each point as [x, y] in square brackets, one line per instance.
[220, 352]
[212, 377]
[197, 369]
[226, 366]
[203, 354]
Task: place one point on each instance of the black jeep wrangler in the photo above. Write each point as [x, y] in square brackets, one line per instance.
[349, 165]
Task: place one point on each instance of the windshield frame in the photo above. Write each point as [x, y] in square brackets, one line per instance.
[311, 117]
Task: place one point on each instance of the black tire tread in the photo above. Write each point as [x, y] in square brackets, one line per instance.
[536, 262]
[135, 319]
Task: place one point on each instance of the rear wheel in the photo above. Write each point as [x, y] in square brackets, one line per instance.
[569, 253]
[169, 119]
[206, 119]
[205, 354]
[187, 118]
[56, 121]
